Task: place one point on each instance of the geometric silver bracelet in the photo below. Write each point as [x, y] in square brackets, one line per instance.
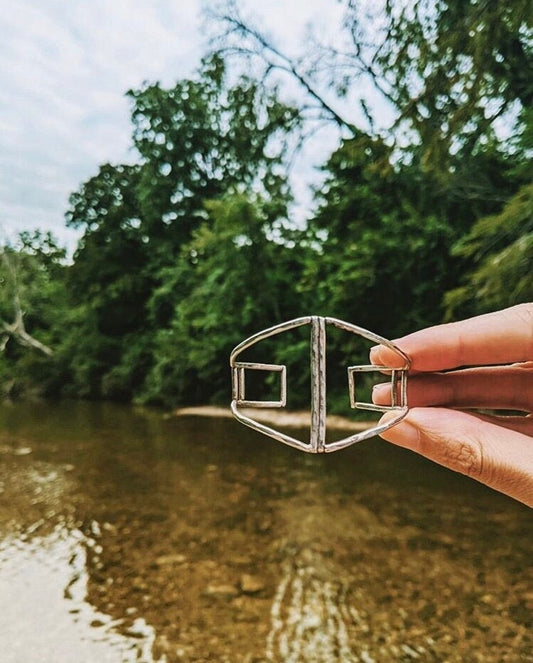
[317, 439]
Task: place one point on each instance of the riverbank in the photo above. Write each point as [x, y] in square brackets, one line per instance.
[294, 419]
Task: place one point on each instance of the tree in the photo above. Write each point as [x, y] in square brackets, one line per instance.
[385, 254]
[196, 141]
[456, 69]
[28, 272]
[232, 279]
[457, 76]
[32, 300]
[501, 248]
[449, 70]
[190, 248]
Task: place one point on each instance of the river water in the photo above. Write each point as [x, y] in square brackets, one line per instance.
[126, 535]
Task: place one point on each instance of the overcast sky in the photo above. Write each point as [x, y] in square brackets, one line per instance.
[65, 67]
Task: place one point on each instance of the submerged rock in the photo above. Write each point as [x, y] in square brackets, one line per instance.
[221, 591]
[251, 584]
[176, 558]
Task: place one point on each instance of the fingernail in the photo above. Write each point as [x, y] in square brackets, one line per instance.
[374, 354]
[380, 393]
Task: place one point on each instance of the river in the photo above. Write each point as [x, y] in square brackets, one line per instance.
[127, 535]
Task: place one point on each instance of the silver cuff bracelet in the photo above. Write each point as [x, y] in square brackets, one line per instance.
[317, 440]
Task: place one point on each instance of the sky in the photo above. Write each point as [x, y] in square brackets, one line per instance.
[65, 69]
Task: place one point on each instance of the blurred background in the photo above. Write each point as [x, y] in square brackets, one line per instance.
[186, 175]
[177, 176]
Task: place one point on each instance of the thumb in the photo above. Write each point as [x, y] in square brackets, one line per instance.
[495, 456]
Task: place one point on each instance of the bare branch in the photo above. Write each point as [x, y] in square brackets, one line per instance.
[18, 332]
[17, 329]
[275, 60]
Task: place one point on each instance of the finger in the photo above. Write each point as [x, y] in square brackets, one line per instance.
[502, 387]
[501, 459]
[503, 337]
[519, 424]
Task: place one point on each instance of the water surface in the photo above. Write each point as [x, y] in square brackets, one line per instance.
[129, 536]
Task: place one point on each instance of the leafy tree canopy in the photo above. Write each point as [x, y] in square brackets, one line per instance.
[195, 142]
[456, 74]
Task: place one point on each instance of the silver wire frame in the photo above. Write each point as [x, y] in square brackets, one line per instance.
[317, 439]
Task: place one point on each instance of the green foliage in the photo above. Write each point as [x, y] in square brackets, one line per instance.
[454, 70]
[501, 248]
[389, 231]
[32, 302]
[189, 249]
[196, 142]
[229, 279]
[200, 139]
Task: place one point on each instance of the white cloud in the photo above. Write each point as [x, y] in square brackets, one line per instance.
[65, 69]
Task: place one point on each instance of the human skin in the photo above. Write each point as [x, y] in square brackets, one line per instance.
[485, 362]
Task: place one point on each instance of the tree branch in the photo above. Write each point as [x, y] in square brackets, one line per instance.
[18, 332]
[17, 329]
[275, 59]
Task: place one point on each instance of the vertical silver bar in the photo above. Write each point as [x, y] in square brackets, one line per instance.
[393, 388]
[403, 388]
[241, 387]
[318, 384]
[283, 390]
[235, 383]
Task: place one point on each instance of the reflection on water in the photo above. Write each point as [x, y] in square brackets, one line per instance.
[311, 613]
[127, 536]
[45, 615]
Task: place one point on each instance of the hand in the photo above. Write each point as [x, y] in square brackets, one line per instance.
[498, 348]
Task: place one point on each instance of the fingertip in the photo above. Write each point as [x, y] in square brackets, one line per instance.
[375, 354]
[381, 394]
[381, 355]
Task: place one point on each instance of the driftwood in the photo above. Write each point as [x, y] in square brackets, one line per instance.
[17, 329]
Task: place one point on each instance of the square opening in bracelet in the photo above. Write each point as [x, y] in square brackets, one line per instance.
[239, 384]
[397, 379]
